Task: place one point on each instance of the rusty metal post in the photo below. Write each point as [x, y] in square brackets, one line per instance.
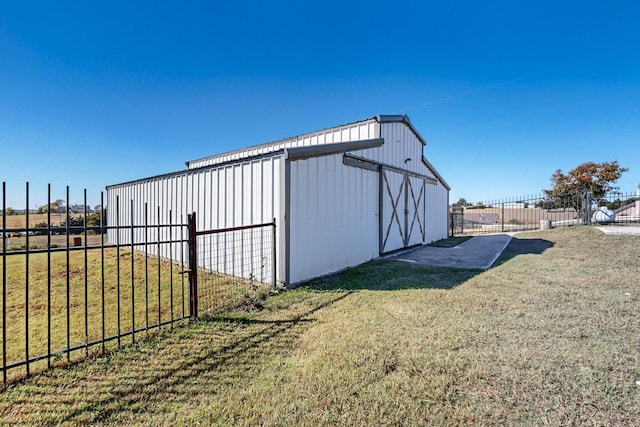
[193, 267]
[274, 264]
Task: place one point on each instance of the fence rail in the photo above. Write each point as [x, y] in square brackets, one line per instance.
[75, 286]
[540, 211]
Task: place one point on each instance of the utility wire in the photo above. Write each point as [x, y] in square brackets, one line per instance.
[504, 83]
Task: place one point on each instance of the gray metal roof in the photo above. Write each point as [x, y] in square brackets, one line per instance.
[278, 145]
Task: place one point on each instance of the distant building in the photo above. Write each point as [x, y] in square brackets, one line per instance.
[80, 209]
[480, 218]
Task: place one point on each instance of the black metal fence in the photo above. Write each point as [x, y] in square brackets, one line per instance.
[544, 212]
[74, 286]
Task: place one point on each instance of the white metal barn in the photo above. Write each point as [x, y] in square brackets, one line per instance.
[339, 196]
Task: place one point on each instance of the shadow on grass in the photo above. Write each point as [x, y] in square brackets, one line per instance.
[388, 274]
[194, 359]
[522, 246]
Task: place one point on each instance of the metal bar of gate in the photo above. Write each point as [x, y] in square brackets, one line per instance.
[275, 264]
[193, 267]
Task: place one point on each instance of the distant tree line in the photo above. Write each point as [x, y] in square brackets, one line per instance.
[76, 224]
[57, 207]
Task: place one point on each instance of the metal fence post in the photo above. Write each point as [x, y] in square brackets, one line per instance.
[637, 204]
[193, 267]
[502, 216]
[452, 232]
[275, 264]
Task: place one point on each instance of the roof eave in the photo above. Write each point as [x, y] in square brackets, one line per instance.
[435, 172]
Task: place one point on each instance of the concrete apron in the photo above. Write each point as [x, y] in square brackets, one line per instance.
[620, 230]
[479, 252]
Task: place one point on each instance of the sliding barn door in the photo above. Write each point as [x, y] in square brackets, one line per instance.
[402, 205]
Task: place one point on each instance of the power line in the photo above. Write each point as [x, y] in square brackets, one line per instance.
[504, 83]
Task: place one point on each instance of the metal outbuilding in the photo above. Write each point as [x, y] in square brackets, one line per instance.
[339, 196]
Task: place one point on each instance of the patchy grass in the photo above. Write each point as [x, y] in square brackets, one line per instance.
[137, 297]
[549, 336]
[450, 242]
[138, 294]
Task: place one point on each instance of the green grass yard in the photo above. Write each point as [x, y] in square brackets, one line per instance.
[549, 336]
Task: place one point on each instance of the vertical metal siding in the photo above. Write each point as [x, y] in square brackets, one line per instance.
[333, 216]
[229, 196]
[400, 143]
[437, 213]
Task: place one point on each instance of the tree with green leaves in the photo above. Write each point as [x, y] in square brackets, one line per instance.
[462, 202]
[57, 206]
[95, 219]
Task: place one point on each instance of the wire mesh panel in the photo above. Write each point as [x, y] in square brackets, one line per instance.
[236, 267]
[457, 220]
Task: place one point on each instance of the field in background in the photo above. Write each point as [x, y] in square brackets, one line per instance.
[57, 241]
[16, 241]
[20, 221]
[548, 336]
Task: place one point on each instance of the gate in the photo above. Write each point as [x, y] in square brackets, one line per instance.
[456, 219]
[230, 267]
[402, 210]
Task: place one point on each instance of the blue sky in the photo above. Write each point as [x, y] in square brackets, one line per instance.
[504, 92]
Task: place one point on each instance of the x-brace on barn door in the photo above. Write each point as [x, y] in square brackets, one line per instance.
[402, 205]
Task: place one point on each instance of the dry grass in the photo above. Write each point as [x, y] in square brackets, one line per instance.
[57, 241]
[20, 221]
[141, 302]
[144, 291]
[549, 336]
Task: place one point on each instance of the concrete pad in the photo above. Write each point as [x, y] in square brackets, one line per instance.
[620, 230]
[479, 252]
